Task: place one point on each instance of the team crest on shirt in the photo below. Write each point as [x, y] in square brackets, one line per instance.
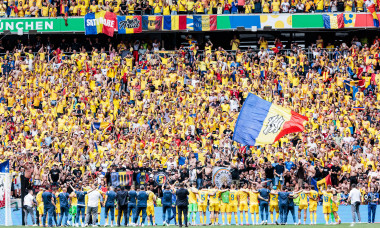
[274, 124]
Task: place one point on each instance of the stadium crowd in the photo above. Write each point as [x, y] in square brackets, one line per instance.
[40, 8]
[75, 113]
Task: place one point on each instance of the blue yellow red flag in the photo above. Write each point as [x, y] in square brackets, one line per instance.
[261, 122]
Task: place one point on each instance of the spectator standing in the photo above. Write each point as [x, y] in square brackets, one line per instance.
[28, 207]
[92, 206]
[354, 198]
[373, 200]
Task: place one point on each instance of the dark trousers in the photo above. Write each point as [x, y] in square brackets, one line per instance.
[123, 210]
[283, 213]
[110, 208]
[132, 208]
[166, 208]
[264, 215]
[138, 210]
[182, 209]
[292, 211]
[371, 212]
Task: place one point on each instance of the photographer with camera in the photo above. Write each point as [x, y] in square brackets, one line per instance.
[372, 199]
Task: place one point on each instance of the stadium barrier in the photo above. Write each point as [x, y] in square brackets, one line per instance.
[344, 214]
[244, 22]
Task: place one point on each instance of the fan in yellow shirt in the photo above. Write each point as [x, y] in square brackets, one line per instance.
[243, 204]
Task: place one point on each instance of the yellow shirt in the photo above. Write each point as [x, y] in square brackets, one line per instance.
[203, 194]
[150, 201]
[303, 198]
[273, 199]
[192, 197]
[326, 198]
[233, 197]
[313, 196]
[253, 198]
[215, 198]
[243, 197]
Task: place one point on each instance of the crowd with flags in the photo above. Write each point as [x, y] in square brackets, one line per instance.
[131, 115]
[124, 7]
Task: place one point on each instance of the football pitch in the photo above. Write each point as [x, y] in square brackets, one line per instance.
[343, 225]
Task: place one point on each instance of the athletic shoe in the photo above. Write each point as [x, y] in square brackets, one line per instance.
[277, 223]
[143, 225]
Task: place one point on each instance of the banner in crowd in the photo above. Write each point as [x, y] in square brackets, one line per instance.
[175, 22]
[276, 21]
[100, 22]
[142, 178]
[221, 176]
[260, 122]
[333, 21]
[205, 23]
[129, 24]
[160, 178]
[225, 22]
[122, 178]
[152, 23]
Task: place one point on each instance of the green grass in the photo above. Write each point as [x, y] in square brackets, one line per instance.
[343, 225]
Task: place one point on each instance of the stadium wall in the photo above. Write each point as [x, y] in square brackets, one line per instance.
[344, 213]
[195, 23]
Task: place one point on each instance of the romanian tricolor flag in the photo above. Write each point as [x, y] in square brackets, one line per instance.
[100, 22]
[324, 182]
[261, 122]
[333, 21]
[152, 22]
[175, 22]
[99, 126]
[205, 23]
[129, 24]
[372, 10]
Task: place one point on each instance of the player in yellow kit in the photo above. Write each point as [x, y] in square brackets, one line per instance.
[57, 205]
[150, 205]
[193, 207]
[243, 204]
[273, 204]
[40, 203]
[313, 202]
[254, 204]
[214, 205]
[335, 206]
[303, 204]
[232, 206]
[326, 203]
[202, 205]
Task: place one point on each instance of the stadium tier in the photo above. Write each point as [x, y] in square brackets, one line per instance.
[189, 112]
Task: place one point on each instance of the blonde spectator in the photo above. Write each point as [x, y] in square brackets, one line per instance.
[45, 9]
